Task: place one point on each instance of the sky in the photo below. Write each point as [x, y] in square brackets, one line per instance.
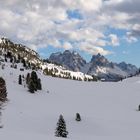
[108, 27]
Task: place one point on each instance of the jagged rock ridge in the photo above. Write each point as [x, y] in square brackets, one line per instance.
[99, 65]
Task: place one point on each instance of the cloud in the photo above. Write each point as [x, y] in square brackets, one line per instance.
[93, 50]
[114, 40]
[130, 38]
[125, 6]
[42, 23]
[136, 30]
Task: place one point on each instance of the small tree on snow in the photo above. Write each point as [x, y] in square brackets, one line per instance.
[39, 86]
[28, 78]
[61, 128]
[20, 80]
[3, 91]
[33, 82]
[31, 86]
[34, 78]
[139, 108]
[78, 117]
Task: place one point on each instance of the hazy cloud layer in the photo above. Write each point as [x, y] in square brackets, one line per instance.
[40, 23]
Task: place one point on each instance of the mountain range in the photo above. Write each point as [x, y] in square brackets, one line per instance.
[98, 65]
[70, 64]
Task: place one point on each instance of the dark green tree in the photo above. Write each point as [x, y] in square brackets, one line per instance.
[39, 86]
[24, 62]
[78, 117]
[34, 78]
[33, 82]
[3, 91]
[139, 108]
[20, 80]
[61, 128]
[28, 78]
[31, 86]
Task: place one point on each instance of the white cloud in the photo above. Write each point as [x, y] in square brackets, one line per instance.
[129, 38]
[39, 23]
[114, 40]
[88, 5]
[93, 50]
[67, 46]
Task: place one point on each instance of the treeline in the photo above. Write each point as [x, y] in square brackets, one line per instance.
[67, 75]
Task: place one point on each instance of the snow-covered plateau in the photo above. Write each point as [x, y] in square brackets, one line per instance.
[109, 110]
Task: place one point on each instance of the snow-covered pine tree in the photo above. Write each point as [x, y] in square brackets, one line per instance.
[3, 91]
[61, 128]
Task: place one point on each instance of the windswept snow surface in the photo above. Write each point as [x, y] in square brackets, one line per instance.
[108, 110]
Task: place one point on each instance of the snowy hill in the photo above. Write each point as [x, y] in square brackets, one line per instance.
[108, 110]
[98, 65]
[19, 52]
[7, 45]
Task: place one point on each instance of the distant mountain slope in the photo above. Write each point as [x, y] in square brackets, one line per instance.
[18, 49]
[31, 57]
[71, 64]
[99, 65]
[70, 60]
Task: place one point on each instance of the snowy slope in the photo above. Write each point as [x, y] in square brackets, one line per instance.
[108, 110]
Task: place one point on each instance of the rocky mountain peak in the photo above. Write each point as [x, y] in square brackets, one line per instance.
[70, 60]
[99, 60]
[99, 65]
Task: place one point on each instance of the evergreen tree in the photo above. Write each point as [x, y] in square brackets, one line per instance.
[33, 82]
[20, 80]
[3, 91]
[11, 60]
[39, 86]
[31, 86]
[24, 62]
[34, 78]
[78, 117]
[61, 128]
[28, 78]
[139, 108]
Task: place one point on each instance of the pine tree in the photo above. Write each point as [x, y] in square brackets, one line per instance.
[20, 80]
[34, 78]
[33, 82]
[31, 86]
[78, 117]
[139, 108]
[28, 78]
[24, 62]
[39, 86]
[61, 128]
[3, 91]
